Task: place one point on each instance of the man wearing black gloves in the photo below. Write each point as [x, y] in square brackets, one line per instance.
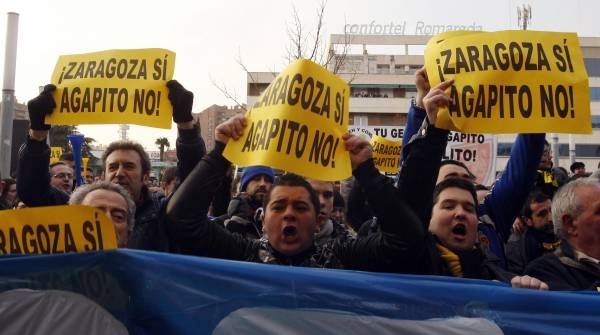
[124, 163]
[290, 219]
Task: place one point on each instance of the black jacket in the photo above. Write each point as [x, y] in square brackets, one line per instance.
[476, 264]
[33, 182]
[416, 183]
[242, 216]
[387, 251]
[33, 187]
[523, 248]
[562, 271]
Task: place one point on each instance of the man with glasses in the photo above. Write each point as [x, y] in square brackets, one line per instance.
[61, 176]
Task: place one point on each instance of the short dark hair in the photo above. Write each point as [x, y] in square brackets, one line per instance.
[459, 163]
[8, 182]
[576, 165]
[535, 197]
[480, 187]
[454, 183]
[128, 145]
[291, 179]
[338, 200]
[169, 174]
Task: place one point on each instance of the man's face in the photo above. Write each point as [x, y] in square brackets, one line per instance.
[290, 221]
[453, 219]
[61, 177]
[324, 190]
[89, 177]
[11, 194]
[258, 187]
[541, 216]
[338, 215]
[546, 160]
[124, 167]
[584, 232]
[115, 207]
[579, 171]
[453, 171]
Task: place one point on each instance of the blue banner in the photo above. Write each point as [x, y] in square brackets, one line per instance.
[155, 293]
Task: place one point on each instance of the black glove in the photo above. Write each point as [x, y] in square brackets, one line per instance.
[39, 107]
[182, 101]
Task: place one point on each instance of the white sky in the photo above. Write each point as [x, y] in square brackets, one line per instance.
[208, 36]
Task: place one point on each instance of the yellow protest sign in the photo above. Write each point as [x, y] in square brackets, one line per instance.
[297, 125]
[114, 86]
[55, 230]
[386, 154]
[55, 153]
[511, 82]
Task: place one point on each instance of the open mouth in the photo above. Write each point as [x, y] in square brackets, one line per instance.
[289, 231]
[460, 229]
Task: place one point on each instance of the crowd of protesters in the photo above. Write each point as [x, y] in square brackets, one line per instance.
[535, 227]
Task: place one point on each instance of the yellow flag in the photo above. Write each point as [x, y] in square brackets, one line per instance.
[55, 153]
[85, 161]
[55, 230]
[297, 125]
[386, 154]
[511, 82]
[114, 86]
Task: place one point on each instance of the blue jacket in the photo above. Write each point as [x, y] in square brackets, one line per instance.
[502, 205]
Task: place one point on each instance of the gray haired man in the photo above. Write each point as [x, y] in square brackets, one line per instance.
[113, 200]
[576, 216]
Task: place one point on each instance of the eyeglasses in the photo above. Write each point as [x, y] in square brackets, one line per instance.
[63, 176]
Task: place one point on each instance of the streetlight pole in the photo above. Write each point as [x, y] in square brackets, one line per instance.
[8, 93]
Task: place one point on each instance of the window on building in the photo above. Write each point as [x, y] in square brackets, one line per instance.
[581, 150]
[504, 149]
[586, 150]
[383, 68]
[595, 121]
[594, 93]
[592, 65]
[361, 120]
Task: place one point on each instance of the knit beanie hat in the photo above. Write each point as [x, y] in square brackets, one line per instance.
[253, 171]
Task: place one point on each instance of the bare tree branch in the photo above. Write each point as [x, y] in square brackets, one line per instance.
[334, 57]
[317, 38]
[295, 34]
[229, 95]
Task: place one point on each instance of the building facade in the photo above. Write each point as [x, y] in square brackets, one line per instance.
[382, 86]
[213, 116]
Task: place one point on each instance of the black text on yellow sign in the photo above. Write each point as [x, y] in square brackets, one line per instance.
[386, 154]
[115, 86]
[306, 92]
[297, 125]
[55, 230]
[505, 78]
[111, 99]
[290, 138]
